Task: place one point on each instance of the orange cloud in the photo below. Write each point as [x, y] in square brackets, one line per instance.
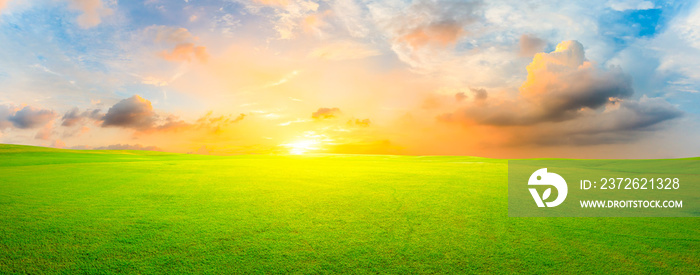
[3, 4]
[186, 52]
[313, 23]
[93, 11]
[182, 41]
[46, 132]
[58, 144]
[325, 113]
[439, 34]
[168, 34]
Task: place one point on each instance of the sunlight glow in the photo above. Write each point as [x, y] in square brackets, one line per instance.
[301, 147]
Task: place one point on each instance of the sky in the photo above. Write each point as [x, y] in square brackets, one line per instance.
[505, 79]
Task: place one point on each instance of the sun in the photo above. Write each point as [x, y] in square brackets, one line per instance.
[301, 147]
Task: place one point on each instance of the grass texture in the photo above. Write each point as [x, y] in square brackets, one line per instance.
[97, 212]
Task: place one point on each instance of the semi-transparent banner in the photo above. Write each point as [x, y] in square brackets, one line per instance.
[604, 188]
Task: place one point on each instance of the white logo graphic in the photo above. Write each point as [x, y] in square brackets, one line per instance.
[541, 177]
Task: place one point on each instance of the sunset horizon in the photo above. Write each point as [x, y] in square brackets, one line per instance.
[488, 79]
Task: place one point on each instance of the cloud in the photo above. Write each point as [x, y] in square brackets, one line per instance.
[93, 11]
[74, 132]
[426, 24]
[137, 113]
[343, 50]
[278, 3]
[150, 80]
[5, 113]
[479, 93]
[172, 124]
[441, 34]
[558, 87]
[633, 115]
[186, 52]
[134, 112]
[3, 4]
[429, 23]
[182, 41]
[627, 122]
[530, 45]
[58, 144]
[568, 97]
[563, 82]
[325, 113]
[169, 34]
[287, 15]
[351, 15]
[30, 117]
[129, 147]
[208, 122]
[316, 22]
[239, 118]
[460, 96]
[623, 5]
[360, 122]
[678, 51]
[46, 132]
[74, 116]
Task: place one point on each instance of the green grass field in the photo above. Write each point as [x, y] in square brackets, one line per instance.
[66, 211]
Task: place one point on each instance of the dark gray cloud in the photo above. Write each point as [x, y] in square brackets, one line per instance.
[567, 100]
[530, 45]
[137, 113]
[30, 117]
[134, 112]
[560, 86]
[627, 122]
[479, 93]
[173, 124]
[325, 113]
[631, 115]
[74, 116]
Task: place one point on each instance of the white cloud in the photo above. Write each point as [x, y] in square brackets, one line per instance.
[623, 5]
[286, 14]
[344, 50]
[352, 15]
[678, 49]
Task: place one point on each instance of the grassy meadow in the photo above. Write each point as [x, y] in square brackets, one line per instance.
[68, 211]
